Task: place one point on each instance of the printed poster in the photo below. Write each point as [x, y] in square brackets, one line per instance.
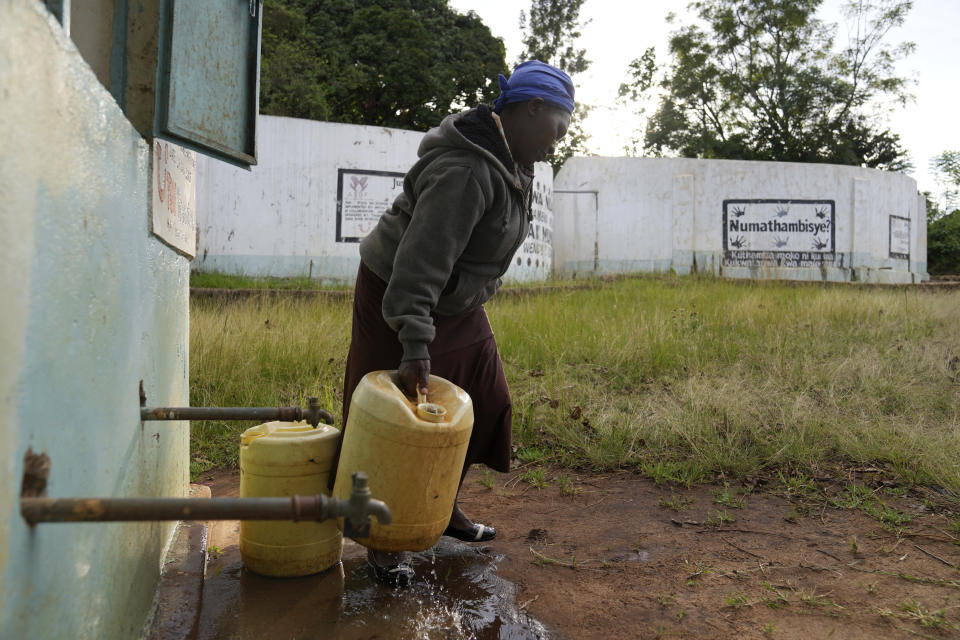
[173, 202]
[900, 237]
[362, 197]
[783, 233]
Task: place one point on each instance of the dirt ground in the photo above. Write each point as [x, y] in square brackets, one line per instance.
[616, 556]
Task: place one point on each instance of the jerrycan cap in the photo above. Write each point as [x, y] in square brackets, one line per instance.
[429, 411]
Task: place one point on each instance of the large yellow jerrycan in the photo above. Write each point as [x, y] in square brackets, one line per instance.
[279, 459]
[413, 459]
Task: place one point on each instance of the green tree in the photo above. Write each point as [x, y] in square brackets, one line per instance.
[392, 63]
[760, 81]
[946, 168]
[943, 245]
[291, 68]
[943, 229]
[933, 207]
[635, 91]
[550, 33]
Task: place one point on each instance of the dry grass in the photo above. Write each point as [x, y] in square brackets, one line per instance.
[682, 378]
[261, 352]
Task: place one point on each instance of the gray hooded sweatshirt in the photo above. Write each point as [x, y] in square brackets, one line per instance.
[446, 241]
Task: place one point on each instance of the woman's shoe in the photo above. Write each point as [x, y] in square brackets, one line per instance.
[391, 569]
[475, 533]
[398, 576]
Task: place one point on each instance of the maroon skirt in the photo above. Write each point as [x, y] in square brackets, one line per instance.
[463, 351]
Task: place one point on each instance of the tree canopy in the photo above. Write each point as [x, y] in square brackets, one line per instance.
[946, 168]
[943, 228]
[550, 33]
[760, 80]
[392, 63]
[943, 244]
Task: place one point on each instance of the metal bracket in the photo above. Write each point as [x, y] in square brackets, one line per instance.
[36, 472]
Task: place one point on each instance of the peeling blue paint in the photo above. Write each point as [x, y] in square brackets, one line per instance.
[106, 306]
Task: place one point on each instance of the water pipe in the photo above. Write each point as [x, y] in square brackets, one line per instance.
[356, 511]
[313, 414]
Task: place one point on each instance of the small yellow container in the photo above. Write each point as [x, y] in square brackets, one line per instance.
[279, 459]
[413, 459]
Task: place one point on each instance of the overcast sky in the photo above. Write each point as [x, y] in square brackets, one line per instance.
[620, 31]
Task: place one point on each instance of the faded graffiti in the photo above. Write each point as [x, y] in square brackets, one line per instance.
[537, 249]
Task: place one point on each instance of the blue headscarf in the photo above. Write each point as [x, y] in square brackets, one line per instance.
[535, 79]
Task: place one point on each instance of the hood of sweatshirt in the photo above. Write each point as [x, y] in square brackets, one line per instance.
[473, 130]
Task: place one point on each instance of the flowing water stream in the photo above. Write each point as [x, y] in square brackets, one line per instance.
[457, 595]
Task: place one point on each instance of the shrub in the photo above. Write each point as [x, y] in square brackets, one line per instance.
[943, 244]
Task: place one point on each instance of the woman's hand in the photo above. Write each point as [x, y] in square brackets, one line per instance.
[414, 374]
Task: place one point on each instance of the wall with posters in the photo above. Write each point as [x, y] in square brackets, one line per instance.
[93, 305]
[317, 190]
[738, 219]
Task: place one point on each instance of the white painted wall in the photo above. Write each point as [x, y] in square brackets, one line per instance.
[622, 215]
[281, 218]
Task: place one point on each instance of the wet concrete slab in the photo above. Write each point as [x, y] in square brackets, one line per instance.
[175, 614]
[457, 595]
[181, 581]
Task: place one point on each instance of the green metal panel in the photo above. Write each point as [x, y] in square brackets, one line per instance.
[61, 11]
[209, 75]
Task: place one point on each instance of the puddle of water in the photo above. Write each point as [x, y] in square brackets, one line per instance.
[642, 556]
[457, 596]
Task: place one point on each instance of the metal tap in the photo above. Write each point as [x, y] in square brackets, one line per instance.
[358, 509]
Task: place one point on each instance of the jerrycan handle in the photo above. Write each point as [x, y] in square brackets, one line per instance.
[253, 433]
[426, 411]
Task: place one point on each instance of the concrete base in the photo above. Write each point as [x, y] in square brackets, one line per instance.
[177, 602]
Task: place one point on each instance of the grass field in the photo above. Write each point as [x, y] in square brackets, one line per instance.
[215, 280]
[683, 378]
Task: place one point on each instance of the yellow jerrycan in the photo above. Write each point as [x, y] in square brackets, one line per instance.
[279, 459]
[413, 454]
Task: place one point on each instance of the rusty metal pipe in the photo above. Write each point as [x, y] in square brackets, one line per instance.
[314, 508]
[313, 414]
[356, 510]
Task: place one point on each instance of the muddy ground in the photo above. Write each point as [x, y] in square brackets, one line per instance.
[616, 556]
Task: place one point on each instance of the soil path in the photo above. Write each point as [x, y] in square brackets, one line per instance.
[616, 556]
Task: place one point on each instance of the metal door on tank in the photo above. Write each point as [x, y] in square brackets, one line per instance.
[207, 97]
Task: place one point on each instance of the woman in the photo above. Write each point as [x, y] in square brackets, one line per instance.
[438, 254]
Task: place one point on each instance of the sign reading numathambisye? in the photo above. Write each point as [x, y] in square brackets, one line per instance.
[785, 233]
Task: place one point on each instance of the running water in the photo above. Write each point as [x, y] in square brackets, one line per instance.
[457, 596]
